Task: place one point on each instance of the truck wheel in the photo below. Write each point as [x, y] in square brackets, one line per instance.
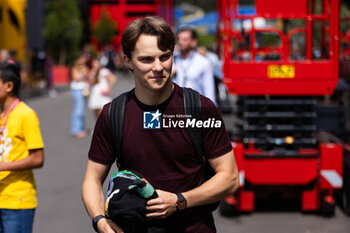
[328, 206]
[226, 209]
[346, 197]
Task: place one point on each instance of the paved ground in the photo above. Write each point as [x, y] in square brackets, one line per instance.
[60, 207]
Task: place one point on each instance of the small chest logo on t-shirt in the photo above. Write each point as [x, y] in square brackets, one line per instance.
[151, 120]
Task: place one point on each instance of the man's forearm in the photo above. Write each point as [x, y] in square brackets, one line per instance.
[218, 187]
[222, 184]
[93, 198]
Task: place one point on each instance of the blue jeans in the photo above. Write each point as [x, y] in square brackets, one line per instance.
[16, 221]
[78, 112]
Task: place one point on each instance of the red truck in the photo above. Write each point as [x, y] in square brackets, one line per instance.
[282, 63]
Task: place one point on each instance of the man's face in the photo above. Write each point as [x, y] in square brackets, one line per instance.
[151, 66]
[3, 56]
[185, 41]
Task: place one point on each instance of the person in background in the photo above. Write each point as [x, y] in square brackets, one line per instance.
[296, 52]
[13, 57]
[107, 58]
[215, 62]
[222, 96]
[78, 86]
[23, 73]
[102, 81]
[48, 66]
[37, 68]
[21, 150]
[192, 69]
[4, 55]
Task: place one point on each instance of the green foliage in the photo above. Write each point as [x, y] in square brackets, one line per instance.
[105, 29]
[63, 30]
[206, 40]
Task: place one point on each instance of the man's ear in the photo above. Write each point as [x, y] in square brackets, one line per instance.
[194, 43]
[128, 62]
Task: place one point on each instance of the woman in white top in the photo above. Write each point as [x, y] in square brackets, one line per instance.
[102, 81]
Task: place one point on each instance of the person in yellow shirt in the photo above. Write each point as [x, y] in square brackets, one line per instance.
[21, 150]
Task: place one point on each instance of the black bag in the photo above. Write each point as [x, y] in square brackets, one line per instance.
[192, 105]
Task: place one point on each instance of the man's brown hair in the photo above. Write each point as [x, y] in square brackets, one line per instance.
[151, 25]
[191, 30]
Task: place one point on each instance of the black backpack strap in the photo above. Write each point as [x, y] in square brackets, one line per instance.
[116, 120]
[192, 104]
[193, 107]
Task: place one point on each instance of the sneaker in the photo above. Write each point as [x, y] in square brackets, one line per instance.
[82, 134]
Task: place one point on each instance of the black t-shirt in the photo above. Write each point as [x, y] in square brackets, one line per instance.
[165, 156]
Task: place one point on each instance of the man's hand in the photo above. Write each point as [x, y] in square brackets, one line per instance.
[162, 206]
[108, 226]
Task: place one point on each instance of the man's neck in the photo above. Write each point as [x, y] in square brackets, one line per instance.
[150, 97]
[6, 105]
[186, 54]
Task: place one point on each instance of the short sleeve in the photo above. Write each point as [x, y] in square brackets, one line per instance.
[101, 148]
[31, 131]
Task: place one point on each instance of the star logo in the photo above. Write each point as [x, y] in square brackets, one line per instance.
[151, 120]
[156, 115]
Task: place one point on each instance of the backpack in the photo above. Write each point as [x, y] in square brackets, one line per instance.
[192, 106]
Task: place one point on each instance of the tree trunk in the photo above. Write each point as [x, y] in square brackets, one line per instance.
[62, 56]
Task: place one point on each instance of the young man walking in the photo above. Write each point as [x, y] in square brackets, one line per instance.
[164, 155]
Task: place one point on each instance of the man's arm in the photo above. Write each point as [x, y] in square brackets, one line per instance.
[34, 160]
[222, 184]
[93, 197]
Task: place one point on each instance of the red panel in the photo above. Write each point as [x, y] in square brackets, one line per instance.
[95, 12]
[277, 88]
[321, 70]
[331, 160]
[251, 78]
[238, 150]
[246, 200]
[332, 157]
[311, 200]
[281, 171]
[122, 14]
[60, 75]
[281, 8]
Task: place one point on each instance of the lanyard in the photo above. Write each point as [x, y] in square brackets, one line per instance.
[184, 69]
[8, 114]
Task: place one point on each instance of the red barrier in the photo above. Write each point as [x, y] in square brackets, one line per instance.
[60, 75]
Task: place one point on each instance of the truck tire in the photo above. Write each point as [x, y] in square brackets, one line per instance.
[327, 208]
[226, 209]
[346, 197]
